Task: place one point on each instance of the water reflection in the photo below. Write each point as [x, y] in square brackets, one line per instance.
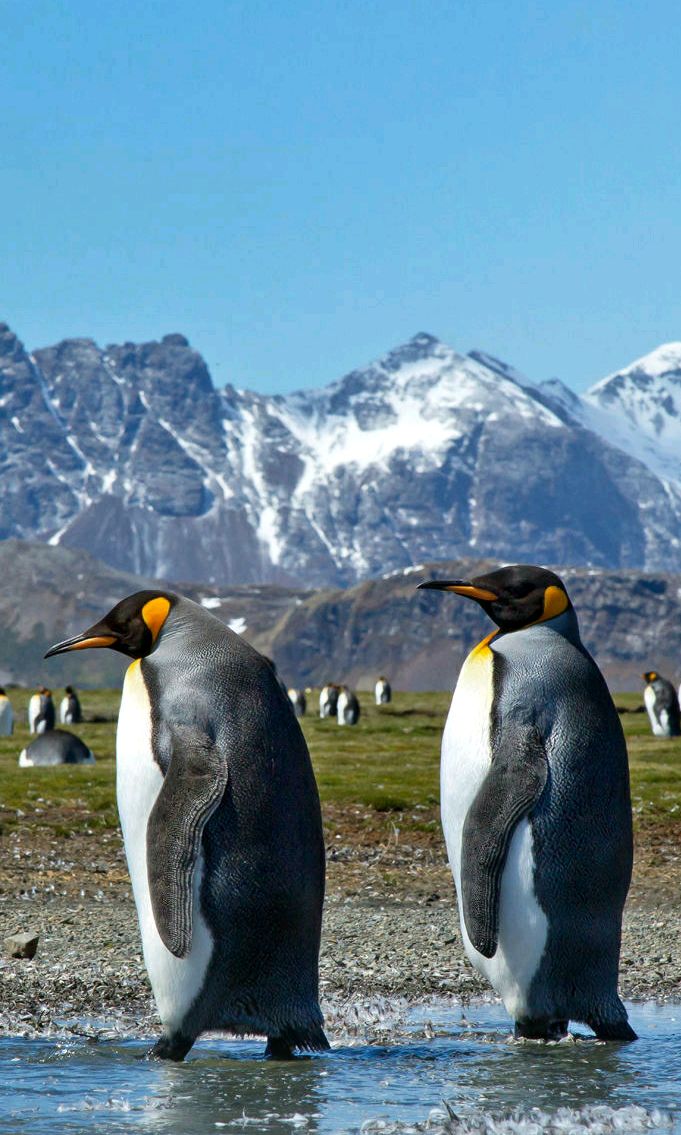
[223, 1087]
[47, 1087]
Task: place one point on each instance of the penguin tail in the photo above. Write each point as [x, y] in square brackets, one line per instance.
[612, 1025]
[312, 1039]
[613, 1030]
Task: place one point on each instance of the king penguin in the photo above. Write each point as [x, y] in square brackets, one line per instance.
[6, 715]
[45, 719]
[536, 810]
[382, 691]
[347, 707]
[662, 705]
[70, 712]
[222, 827]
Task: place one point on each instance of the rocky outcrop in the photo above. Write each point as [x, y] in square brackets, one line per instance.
[630, 622]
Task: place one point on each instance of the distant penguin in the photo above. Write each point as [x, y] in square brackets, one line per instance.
[222, 827]
[298, 701]
[69, 709]
[347, 709]
[662, 704]
[382, 691]
[56, 747]
[45, 718]
[328, 700]
[536, 810]
[6, 715]
[34, 709]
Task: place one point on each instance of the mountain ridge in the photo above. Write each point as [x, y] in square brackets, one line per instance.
[130, 452]
[630, 621]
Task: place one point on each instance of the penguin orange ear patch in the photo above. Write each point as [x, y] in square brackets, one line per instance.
[555, 602]
[155, 613]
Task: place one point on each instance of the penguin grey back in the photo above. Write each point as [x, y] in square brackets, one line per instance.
[581, 824]
[263, 846]
[56, 747]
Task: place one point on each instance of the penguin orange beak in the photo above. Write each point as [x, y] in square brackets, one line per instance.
[94, 637]
[459, 587]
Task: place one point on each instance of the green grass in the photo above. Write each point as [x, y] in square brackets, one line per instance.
[388, 763]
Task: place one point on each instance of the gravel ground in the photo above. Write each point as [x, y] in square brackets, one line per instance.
[391, 934]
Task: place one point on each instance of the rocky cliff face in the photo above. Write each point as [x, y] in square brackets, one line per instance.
[630, 622]
[129, 452]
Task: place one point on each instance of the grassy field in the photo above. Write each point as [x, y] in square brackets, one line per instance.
[387, 764]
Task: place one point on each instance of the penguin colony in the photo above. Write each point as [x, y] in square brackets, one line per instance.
[52, 746]
[222, 826]
[339, 702]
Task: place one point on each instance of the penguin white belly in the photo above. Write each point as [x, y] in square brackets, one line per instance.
[33, 711]
[466, 758]
[176, 982]
[656, 725]
[342, 709]
[64, 715]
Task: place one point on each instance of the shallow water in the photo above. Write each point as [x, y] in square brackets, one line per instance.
[69, 1086]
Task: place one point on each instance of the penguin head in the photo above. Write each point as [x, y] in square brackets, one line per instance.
[131, 627]
[513, 597]
[650, 675]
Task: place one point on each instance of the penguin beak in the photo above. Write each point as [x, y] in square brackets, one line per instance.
[96, 636]
[459, 587]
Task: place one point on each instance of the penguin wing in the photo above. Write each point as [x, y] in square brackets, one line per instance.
[192, 789]
[514, 783]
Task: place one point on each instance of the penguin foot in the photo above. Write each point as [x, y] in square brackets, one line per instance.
[278, 1049]
[613, 1030]
[173, 1047]
[541, 1029]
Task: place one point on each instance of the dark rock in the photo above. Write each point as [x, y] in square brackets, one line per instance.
[21, 945]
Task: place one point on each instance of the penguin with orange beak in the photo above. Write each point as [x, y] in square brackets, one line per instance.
[536, 809]
[222, 827]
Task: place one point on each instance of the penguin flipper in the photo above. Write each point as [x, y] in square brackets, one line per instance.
[514, 783]
[193, 787]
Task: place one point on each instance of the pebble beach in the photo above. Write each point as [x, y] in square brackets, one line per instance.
[390, 935]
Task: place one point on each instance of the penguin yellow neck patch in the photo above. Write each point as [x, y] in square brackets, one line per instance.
[155, 613]
[483, 647]
[555, 602]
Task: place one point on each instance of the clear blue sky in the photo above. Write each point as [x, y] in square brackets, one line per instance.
[300, 186]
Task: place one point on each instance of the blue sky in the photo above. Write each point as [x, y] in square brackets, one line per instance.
[300, 186]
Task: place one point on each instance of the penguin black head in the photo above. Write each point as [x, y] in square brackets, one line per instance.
[513, 597]
[650, 675]
[131, 627]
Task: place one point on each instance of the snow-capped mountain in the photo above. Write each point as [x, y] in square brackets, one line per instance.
[640, 407]
[131, 453]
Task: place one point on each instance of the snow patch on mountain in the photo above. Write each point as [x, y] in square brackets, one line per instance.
[639, 410]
